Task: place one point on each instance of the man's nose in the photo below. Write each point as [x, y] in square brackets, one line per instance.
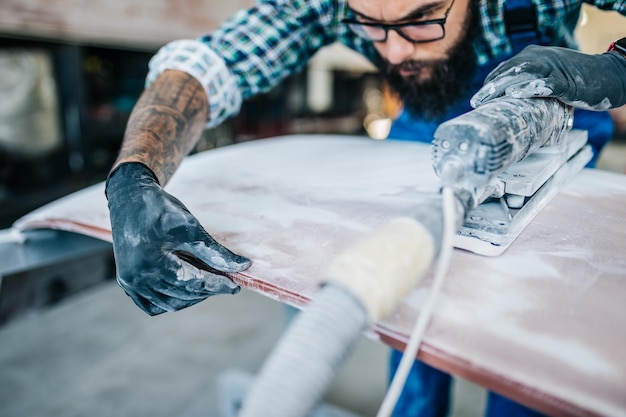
[398, 48]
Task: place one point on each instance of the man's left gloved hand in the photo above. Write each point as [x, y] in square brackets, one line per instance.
[592, 82]
[165, 259]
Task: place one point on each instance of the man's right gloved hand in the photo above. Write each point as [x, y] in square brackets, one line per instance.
[165, 259]
[592, 82]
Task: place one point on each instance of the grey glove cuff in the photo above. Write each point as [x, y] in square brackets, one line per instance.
[128, 173]
[619, 62]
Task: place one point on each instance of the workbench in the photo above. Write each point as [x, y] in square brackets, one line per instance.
[541, 323]
[38, 268]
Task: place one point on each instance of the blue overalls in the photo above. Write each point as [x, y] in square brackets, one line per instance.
[427, 390]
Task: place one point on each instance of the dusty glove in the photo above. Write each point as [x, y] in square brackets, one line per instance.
[165, 260]
[592, 82]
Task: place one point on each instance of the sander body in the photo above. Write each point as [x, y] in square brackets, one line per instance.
[505, 160]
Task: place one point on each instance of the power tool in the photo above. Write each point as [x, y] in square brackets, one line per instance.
[505, 160]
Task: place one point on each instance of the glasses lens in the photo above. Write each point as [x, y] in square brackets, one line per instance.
[423, 32]
[373, 33]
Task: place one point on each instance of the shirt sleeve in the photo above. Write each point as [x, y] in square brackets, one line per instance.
[251, 52]
[614, 5]
[198, 60]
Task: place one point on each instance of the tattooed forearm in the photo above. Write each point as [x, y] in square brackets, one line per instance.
[165, 124]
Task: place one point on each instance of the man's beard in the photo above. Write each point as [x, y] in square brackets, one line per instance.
[437, 85]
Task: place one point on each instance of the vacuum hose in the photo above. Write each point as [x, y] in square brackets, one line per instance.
[303, 364]
[366, 283]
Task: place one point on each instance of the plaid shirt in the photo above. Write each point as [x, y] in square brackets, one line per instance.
[257, 48]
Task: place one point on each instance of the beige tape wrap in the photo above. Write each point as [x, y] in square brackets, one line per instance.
[381, 269]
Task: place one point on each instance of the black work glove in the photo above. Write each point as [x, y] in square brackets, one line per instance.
[592, 82]
[165, 259]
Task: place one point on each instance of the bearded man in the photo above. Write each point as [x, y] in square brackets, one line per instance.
[433, 53]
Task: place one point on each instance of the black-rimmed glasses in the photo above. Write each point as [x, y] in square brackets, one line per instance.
[416, 32]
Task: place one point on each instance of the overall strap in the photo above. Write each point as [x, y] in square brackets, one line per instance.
[521, 23]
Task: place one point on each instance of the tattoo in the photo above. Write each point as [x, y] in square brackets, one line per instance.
[165, 124]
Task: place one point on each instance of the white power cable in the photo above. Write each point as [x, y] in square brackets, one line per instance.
[417, 334]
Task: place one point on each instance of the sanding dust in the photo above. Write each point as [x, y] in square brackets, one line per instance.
[384, 267]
